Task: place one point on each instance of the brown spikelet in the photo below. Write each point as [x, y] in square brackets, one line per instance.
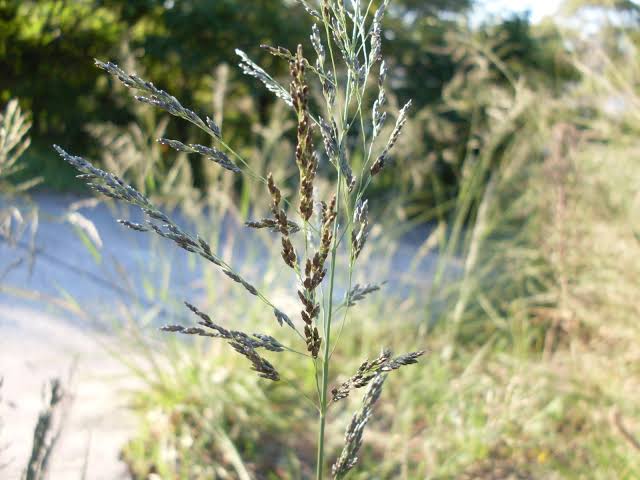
[310, 312]
[305, 156]
[370, 369]
[269, 223]
[279, 214]
[278, 51]
[281, 223]
[328, 217]
[241, 342]
[314, 273]
[288, 253]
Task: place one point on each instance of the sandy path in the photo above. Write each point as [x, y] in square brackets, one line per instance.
[39, 341]
[44, 347]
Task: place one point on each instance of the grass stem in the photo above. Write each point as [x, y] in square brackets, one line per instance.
[327, 342]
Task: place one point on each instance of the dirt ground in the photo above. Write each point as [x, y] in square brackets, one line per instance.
[41, 339]
[43, 347]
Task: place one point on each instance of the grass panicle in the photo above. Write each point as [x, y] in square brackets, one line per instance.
[369, 369]
[524, 384]
[382, 160]
[240, 341]
[359, 292]
[352, 33]
[354, 433]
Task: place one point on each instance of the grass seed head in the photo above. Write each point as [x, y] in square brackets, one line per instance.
[380, 163]
[354, 433]
[369, 369]
[305, 156]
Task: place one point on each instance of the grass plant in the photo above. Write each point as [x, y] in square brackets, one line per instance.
[311, 230]
[15, 219]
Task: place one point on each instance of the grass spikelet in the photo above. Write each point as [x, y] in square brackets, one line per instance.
[250, 68]
[259, 364]
[278, 52]
[273, 225]
[375, 54]
[310, 10]
[283, 318]
[369, 370]
[305, 155]
[288, 252]
[359, 292]
[380, 163]
[360, 230]
[353, 435]
[316, 41]
[210, 152]
[138, 227]
[378, 116]
[241, 342]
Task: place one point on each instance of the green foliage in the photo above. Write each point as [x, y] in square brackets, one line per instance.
[181, 43]
[61, 92]
[201, 420]
[46, 48]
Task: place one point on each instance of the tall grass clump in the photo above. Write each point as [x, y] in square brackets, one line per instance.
[321, 235]
[14, 221]
[14, 140]
[47, 431]
[544, 323]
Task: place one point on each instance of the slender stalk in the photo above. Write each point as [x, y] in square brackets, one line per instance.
[327, 341]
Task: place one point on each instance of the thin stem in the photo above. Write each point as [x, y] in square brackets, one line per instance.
[299, 390]
[327, 341]
[302, 354]
[346, 308]
[315, 371]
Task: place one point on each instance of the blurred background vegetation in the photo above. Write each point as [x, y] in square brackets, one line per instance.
[46, 50]
[521, 159]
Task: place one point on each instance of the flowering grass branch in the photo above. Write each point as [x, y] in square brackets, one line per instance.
[354, 36]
